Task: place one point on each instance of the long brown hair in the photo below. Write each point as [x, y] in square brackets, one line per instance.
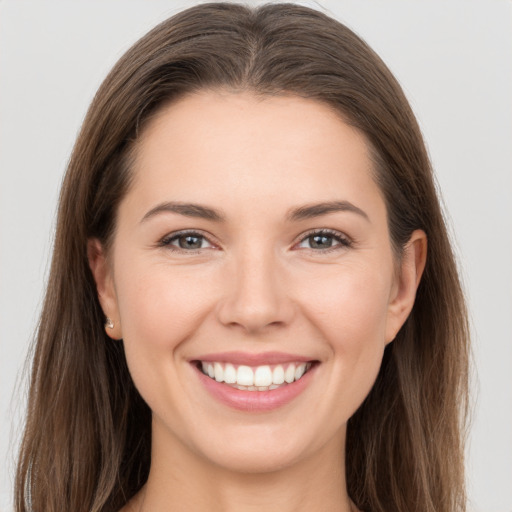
[88, 433]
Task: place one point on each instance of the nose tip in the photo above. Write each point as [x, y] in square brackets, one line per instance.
[252, 319]
[255, 299]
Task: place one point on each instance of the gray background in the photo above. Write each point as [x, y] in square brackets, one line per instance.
[454, 60]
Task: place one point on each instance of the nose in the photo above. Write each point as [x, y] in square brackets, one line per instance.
[255, 296]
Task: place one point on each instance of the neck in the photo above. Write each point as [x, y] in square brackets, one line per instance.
[182, 480]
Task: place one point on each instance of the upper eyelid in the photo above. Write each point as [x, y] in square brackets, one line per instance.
[181, 232]
[323, 231]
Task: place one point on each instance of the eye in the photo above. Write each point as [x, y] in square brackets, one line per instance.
[186, 241]
[323, 240]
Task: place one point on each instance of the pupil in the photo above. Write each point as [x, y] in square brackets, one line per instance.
[320, 241]
[190, 242]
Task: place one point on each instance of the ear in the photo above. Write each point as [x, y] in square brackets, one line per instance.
[102, 273]
[407, 280]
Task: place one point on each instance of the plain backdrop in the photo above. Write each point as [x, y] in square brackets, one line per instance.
[454, 60]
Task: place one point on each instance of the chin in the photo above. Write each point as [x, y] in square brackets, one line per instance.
[255, 461]
[258, 450]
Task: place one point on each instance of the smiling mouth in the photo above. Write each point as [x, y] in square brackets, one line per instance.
[255, 378]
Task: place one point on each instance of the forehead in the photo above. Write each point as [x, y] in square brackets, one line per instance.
[222, 146]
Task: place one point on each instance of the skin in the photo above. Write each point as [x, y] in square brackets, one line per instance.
[255, 284]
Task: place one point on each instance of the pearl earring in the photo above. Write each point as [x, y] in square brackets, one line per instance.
[109, 323]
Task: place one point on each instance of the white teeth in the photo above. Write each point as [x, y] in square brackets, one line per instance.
[263, 376]
[260, 378]
[299, 372]
[289, 374]
[245, 376]
[229, 374]
[278, 375]
[219, 372]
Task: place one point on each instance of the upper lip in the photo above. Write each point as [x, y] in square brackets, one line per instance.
[252, 359]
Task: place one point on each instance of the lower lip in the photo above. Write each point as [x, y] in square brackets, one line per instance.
[255, 401]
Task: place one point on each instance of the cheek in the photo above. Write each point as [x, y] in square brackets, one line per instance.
[159, 308]
[351, 304]
[350, 312]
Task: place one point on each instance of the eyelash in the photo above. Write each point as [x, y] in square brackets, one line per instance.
[342, 240]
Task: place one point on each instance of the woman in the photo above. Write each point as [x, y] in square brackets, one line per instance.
[241, 311]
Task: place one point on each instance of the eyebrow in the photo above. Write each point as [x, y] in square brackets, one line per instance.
[301, 213]
[186, 209]
[318, 209]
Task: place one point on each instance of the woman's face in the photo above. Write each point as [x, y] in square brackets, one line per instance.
[253, 244]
